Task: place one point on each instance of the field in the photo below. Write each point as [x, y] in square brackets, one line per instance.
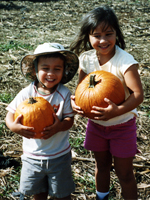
[24, 25]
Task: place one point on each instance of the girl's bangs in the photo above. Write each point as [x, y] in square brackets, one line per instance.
[105, 25]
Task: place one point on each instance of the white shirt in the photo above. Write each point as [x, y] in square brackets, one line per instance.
[58, 144]
[117, 65]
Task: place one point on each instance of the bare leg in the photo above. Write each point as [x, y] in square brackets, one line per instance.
[124, 171]
[102, 170]
[65, 198]
[41, 196]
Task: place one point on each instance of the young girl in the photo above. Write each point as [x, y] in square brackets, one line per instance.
[46, 162]
[112, 133]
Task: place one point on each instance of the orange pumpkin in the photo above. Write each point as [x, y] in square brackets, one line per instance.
[96, 86]
[37, 112]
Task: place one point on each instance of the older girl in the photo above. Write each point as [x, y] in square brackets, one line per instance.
[112, 133]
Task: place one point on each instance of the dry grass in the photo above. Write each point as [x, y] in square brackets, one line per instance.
[25, 24]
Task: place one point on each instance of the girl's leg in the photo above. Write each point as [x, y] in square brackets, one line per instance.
[124, 171]
[65, 198]
[41, 196]
[102, 171]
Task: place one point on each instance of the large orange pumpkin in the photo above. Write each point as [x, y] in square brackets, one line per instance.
[37, 112]
[96, 86]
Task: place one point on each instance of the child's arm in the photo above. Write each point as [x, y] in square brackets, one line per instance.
[58, 126]
[76, 108]
[82, 74]
[133, 82]
[17, 127]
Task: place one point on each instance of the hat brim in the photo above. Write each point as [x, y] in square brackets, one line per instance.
[71, 67]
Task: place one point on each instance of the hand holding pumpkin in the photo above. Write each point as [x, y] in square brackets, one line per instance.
[76, 108]
[58, 126]
[23, 130]
[107, 113]
[51, 130]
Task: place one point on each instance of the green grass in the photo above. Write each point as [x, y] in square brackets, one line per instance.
[77, 144]
[12, 179]
[87, 183]
[137, 19]
[6, 97]
[146, 109]
[2, 128]
[14, 45]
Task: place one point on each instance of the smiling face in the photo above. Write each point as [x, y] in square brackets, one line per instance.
[103, 40]
[50, 73]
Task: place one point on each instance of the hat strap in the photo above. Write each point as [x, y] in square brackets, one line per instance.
[36, 71]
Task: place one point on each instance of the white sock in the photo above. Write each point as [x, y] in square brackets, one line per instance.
[101, 195]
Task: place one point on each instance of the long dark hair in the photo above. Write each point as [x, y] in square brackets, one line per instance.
[90, 22]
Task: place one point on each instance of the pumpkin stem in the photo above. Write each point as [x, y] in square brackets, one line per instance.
[92, 82]
[31, 100]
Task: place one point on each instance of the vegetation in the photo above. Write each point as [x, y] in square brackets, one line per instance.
[24, 25]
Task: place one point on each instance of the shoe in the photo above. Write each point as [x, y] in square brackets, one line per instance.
[18, 194]
[105, 198]
[21, 196]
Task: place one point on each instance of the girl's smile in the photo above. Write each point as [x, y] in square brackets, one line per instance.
[50, 73]
[103, 40]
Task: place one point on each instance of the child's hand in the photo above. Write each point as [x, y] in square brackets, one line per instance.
[76, 108]
[105, 113]
[51, 130]
[22, 130]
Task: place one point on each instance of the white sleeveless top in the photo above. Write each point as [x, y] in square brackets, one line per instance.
[117, 65]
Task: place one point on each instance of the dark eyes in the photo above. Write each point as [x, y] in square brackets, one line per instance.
[107, 34]
[97, 36]
[46, 69]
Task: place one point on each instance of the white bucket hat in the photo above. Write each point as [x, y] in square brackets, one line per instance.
[71, 63]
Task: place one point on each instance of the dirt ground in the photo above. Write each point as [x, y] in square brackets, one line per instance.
[24, 25]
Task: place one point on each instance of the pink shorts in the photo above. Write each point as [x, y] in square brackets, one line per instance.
[120, 139]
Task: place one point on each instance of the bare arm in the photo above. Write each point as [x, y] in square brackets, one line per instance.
[58, 126]
[76, 108]
[133, 82]
[82, 74]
